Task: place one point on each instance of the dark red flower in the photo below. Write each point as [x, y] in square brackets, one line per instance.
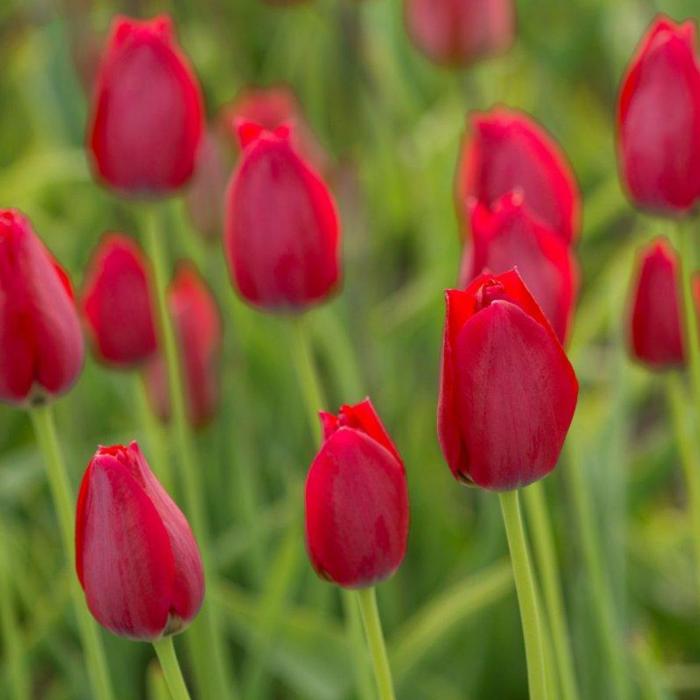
[40, 336]
[357, 511]
[147, 113]
[507, 390]
[136, 557]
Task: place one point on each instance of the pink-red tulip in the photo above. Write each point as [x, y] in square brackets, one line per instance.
[507, 390]
[40, 336]
[147, 114]
[117, 303]
[198, 330]
[357, 511]
[510, 236]
[458, 32]
[136, 557]
[659, 120]
[282, 230]
[505, 151]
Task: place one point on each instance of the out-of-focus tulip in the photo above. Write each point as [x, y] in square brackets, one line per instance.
[147, 114]
[507, 390]
[510, 236]
[282, 230]
[505, 151]
[659, 120]
[136, 557]
[357, 511]
[198, 330]
[40, 335]
[656, 338]
[458, 32]
[117, 303]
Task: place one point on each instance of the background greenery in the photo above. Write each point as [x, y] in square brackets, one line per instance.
[392, 123]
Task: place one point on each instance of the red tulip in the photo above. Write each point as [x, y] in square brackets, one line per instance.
[356, 500]
[508, 151]
[659, 120]
[147, 113]
[510, 236]
[282, 230]
[136, 557]
[198, 328]
[508, 391]
[656, 338]
[117, 303]
[40, 336]
[458, 32]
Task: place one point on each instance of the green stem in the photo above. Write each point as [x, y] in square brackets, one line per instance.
[208, 648]
[45, 430]
[171, 668]
[538, 514]
[375, 641]
[353, 627]
[527, 596]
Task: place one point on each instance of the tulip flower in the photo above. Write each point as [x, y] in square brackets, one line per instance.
[282, 230]
[198, 330]
[659, 120]
[656, 337]
[510, 236]
[136, 557]
[117, 303]
[507, 389]
[42, 343]
[356, 500]
[507, 151]
[147, 114]
[458, 32]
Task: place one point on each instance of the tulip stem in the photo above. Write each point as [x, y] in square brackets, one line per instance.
[527, 597]
[208, 655]
[45, 431]
[546, 557]
[375, 641]
[165, 649]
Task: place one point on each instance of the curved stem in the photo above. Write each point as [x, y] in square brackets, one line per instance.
[375, 641]
[45, 430]
[171, 668]
[527, 596]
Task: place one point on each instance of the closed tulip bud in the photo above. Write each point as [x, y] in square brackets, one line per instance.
[282, 230]
[198, 331]
[656, 338]
[659, 120]
[357, 511]
[136, 557]
[510, 236]
[459, 32]
[40, 336]
[507, 390]
[147, 113]
[117, 303]
[507, 151]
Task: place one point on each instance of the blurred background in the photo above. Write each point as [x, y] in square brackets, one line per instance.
[390, 123]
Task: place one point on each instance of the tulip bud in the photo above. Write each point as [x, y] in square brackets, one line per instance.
[147, 113]
[136, 557]
[40, 336]
[507, 151]
[282, 230]
[659, 120]
[510, 236]
[656, 338]
[198, 329]
[357, 509]
[458, 32]
[117, 303]
[507, 390]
